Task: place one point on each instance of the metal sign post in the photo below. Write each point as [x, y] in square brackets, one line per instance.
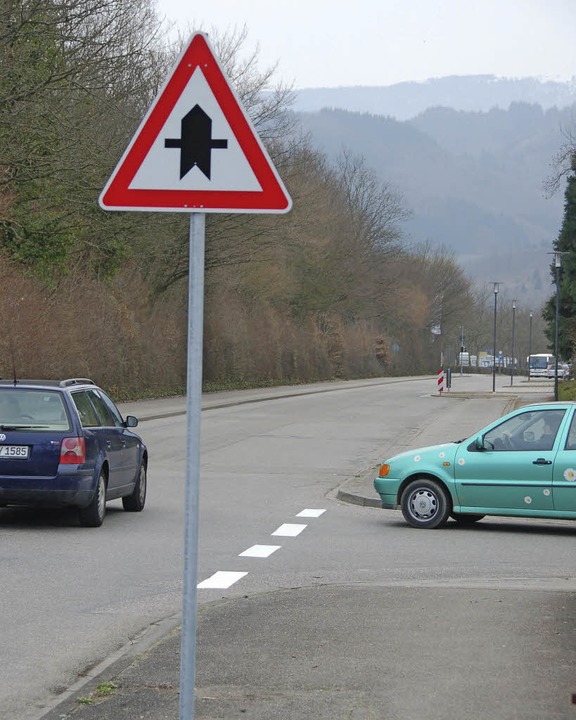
[196, 112]
[191, 500]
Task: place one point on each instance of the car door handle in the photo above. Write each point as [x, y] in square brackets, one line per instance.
[542, 461]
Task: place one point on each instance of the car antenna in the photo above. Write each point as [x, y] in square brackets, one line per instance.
[13, 360]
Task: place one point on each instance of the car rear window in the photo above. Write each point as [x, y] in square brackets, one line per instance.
[33, 409]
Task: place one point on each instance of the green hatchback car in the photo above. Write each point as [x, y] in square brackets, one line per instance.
[522, 465]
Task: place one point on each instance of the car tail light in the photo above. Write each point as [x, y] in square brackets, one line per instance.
[73, 451]
[384, 470]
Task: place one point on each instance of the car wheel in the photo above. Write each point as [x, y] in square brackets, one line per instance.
[425, 504]
[465, 518]
[137, 498]
[93, 515]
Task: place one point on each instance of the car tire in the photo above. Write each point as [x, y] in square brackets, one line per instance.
[425, 504]
[93, 514]
[465, 518]
[136, 500]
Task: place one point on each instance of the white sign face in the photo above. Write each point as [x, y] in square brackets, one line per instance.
[229, 169]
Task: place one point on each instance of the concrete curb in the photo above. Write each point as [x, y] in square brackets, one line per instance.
[355, 499]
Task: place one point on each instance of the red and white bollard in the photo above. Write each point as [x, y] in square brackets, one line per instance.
[440, 380]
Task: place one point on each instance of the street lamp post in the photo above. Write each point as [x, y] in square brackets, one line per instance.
[496, 288]
[557, 263]
[529, 346]
[513, 328]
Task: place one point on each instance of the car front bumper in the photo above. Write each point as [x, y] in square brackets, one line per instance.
[388, 491]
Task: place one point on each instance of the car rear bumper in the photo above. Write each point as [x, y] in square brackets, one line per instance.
[72, 486]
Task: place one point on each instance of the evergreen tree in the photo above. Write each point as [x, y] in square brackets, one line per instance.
[565, 244]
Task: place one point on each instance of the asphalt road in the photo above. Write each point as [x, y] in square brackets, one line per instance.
[326, 593]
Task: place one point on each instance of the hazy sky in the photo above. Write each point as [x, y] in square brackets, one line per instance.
[329, 43]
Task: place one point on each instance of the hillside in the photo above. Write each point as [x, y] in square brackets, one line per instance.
[473, 181]
[406, 100]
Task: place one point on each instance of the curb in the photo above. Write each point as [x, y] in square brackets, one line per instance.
[353, 499]
[62, 706]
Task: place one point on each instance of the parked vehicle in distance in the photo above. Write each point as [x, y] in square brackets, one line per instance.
[538, 364]
[65, 443]
[522, 465]
[563, 371]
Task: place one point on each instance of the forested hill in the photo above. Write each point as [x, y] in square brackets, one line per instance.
[471, 93]
[473, 181]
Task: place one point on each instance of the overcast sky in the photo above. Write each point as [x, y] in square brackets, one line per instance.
[330, 43]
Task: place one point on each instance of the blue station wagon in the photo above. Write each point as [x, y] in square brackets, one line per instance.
[522, 465]
[65, 443]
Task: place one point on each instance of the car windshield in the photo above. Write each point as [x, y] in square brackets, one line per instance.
[32, 409]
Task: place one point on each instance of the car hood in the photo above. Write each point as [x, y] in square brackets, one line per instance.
[432, 453]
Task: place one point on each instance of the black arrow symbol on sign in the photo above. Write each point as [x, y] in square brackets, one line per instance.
[196, 143]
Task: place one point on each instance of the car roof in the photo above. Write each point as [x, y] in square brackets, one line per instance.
[68, 382]
[551, 405]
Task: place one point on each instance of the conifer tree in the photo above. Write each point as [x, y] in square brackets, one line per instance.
[565, 243]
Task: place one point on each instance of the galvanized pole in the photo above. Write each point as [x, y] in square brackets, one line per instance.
[557, 261]
[513, 338]
[496, 288]
[192, 479]
[529, 346]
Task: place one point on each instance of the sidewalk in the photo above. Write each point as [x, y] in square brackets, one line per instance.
[141, 682]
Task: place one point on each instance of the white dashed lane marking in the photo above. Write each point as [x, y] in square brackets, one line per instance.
[289, 530]
[223, 579]
[310, 512]
[260, 551]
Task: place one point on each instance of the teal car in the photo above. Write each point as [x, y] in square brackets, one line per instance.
[522, 465]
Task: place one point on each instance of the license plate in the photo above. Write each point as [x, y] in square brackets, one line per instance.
[14, 451]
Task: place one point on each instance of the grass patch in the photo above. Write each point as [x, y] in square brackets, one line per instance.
[106, 688]
[103, 690]
[567, 390]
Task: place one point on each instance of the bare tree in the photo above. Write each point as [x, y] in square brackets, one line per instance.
[237, 239]
[563, 163]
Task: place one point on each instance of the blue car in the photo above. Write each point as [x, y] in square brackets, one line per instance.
[65, 444]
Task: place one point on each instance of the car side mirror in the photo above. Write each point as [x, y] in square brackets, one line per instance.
[131, 421]
[479, 443]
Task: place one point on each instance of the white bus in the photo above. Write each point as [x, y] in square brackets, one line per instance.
[538, 364]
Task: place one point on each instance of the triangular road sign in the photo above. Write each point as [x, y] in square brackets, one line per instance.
[196, 150]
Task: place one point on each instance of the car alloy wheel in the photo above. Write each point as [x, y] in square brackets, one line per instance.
[93, 514]
[425, 504]
[136, 500]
